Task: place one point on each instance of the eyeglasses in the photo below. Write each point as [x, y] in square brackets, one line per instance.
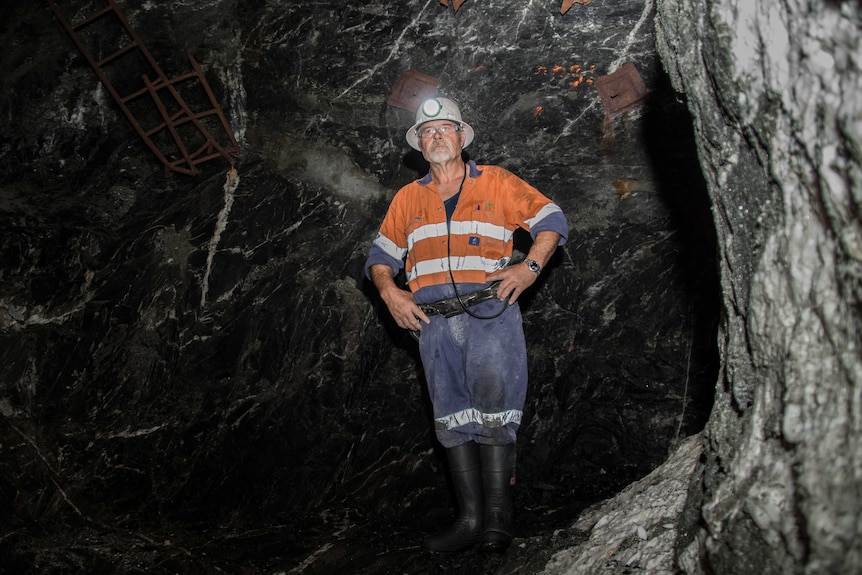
[442, 130]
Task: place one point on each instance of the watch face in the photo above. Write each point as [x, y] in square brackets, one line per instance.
[534, 266]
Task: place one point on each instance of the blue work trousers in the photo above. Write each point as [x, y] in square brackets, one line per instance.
[476, 370]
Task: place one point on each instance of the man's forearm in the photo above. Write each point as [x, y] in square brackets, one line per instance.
[544, 246]
[381, 276]
[400, 302]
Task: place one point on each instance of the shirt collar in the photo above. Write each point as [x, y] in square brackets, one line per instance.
[475, 172]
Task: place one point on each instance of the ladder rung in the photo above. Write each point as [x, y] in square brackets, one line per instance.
[205, 147]
[160, 84]
[96, 15]
[206, 158]
[173, 121]
[156, 130]
[124, 50]
[183, 77]
[196, 116]
[174, 167]
[179, 119]
[134, 95]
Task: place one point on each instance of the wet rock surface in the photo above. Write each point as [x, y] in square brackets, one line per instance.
[195, 377]
[778, 492]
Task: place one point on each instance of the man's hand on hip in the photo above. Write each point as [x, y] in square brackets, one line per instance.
[514, 280]
[403, 308]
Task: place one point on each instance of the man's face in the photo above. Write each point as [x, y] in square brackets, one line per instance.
[440, 141]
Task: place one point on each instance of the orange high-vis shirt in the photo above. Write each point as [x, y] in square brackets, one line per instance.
[493, 203]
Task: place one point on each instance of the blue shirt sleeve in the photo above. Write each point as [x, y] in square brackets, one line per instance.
[554, 222]
[378, 256]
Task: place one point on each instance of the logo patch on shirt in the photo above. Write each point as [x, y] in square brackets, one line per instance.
[473, 241]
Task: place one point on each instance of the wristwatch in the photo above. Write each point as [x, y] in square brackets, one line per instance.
[534, 266]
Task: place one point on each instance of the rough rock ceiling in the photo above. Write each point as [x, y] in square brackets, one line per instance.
[455, 4]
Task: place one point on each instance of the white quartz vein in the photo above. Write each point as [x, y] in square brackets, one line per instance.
[523, 19]
[392, 53]
[230, 185]
[634, 33]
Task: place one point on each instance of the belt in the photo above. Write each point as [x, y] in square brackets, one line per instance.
[454, 306]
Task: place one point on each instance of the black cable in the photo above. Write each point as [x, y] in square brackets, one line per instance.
[449, 261]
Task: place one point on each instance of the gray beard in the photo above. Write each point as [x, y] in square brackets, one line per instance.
[440, 155]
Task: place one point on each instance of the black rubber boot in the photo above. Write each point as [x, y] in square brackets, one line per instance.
[465, 471]
[498, 467]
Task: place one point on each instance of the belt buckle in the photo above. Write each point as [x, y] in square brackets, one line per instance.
[429, 308]
[451, 309]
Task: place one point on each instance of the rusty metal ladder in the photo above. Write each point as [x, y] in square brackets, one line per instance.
[175, 125]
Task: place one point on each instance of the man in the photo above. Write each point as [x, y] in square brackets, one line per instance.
[452, 233]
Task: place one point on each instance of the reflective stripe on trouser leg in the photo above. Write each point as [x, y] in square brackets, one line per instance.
[476, 371]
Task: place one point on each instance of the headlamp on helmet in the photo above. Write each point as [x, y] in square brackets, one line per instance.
[431, 108]
[438, 109]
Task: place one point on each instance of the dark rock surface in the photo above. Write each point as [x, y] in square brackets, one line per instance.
[194, 375]
[779, 137]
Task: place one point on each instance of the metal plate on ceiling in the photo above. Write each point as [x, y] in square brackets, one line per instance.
[411, 89]
[622, 90]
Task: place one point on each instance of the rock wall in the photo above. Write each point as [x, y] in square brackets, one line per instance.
[774, 91]
[197, 352]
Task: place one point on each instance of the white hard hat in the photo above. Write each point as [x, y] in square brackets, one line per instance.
[438, 109]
